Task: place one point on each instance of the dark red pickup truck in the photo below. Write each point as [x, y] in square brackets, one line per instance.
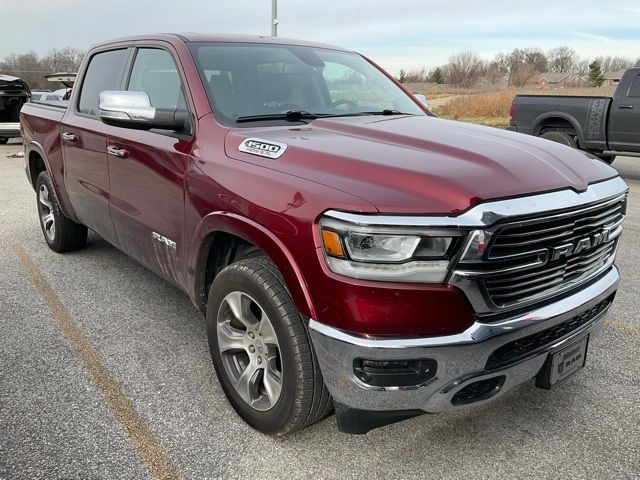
[349, 249]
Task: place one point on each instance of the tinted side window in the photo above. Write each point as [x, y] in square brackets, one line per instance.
[155, 73]
[105, 72]
[634, 91]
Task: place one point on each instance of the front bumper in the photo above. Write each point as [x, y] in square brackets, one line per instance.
[10, 129]
[461, 358]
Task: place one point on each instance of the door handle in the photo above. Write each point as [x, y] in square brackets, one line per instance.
[116, 152]
[68, 137]
[628, 107]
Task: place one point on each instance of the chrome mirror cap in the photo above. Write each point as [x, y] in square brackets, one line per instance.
[123, 105]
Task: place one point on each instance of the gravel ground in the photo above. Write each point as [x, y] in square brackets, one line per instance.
[151, 343]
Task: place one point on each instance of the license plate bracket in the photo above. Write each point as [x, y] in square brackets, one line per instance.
[563, 364]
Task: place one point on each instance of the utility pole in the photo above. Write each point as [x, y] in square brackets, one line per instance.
[274, 18]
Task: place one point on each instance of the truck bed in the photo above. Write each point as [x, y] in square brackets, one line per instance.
[586, 114]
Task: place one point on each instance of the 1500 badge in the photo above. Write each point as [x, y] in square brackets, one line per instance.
[263, 148]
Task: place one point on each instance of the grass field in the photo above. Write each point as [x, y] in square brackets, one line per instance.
[492, 108]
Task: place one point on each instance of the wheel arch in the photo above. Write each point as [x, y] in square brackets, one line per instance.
[221, 226]
[560, 120]
[36, 161]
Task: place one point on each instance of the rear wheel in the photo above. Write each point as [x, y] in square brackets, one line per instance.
[261, 350]
[606, 158]
[561, 136]
[61, 234]
[3, 140]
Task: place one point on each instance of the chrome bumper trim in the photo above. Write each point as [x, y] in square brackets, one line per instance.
[461, 358]
[10, 129]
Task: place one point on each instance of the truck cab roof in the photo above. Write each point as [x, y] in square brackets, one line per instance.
[190, 37]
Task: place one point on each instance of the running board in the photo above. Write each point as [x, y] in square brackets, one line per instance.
[624, 154]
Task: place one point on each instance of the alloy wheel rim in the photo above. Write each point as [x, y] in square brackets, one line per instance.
[250, 351]
[46, 213]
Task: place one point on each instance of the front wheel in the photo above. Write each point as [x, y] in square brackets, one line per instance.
[3, 140]
[261, 350]
[61, 234]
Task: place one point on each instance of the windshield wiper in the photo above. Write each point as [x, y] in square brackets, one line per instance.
[386, 111]
[300, 115]
[290, 116]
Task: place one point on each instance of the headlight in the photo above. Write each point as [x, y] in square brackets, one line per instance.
[391, 254]
[367, 247]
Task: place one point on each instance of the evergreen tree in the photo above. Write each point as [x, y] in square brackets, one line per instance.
[437, 75]
[596, 78]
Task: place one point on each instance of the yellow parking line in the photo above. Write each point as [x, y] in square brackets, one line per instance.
[152, 453]
[623, 327]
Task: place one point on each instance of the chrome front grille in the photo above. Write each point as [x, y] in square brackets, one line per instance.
[529, 235]
[522, 267]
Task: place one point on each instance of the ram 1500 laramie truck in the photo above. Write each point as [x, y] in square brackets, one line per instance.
[602, 126]
[349, 250]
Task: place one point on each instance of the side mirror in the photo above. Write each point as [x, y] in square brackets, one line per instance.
[134, 110]
[422, 99]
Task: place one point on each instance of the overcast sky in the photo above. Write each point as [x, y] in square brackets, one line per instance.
[397, 34]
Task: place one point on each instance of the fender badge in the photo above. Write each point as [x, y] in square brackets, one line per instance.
[263, 148]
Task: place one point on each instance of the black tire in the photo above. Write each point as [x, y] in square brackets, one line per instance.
[3, 140]
[562, 137]
[606, 158]
[303, 399]
[60, 233]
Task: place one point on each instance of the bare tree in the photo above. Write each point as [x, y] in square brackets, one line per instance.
[562, 59]
[520, 65]
[536, 58]
[523, 74]
[26, 66]
[611, 64]
[66, 60]
[465, 68]
[416, 76]
[32, 69]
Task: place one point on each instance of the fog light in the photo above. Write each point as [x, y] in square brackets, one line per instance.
[394, 373]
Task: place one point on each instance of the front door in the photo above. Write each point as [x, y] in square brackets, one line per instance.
[84, 143]
[147, 170]
[624, 123]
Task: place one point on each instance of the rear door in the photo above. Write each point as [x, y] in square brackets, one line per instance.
[148, 172]
[624, 119]
[84, 142]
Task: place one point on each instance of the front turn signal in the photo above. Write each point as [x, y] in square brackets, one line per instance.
[332, 243]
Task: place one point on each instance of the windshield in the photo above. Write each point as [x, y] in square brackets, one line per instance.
[247, 80]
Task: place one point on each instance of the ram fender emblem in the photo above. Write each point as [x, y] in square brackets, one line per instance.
[162, 239]
[263, 148]
[581, 245]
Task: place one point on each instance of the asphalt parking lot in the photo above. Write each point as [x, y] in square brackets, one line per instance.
[105, 373]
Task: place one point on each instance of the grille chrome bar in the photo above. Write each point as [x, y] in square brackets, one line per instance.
[533, 258]
[553, 276]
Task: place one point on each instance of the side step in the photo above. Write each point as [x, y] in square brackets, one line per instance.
[624, 154]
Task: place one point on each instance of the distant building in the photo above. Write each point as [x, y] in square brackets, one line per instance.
[491, 83]
[557, 80]
[612, 79]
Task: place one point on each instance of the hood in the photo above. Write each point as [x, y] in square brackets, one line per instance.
[416, 164]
